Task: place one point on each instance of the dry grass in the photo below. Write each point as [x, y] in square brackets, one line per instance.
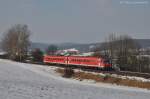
[106, 79]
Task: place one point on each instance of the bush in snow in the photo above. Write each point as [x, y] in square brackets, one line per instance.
[68, 72]
[106, 77]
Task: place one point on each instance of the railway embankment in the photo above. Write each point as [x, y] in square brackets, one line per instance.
[116, 79]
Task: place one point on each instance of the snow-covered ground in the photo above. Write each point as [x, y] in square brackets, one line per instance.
[30, 81]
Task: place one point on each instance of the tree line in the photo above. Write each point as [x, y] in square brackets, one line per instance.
[124, 53]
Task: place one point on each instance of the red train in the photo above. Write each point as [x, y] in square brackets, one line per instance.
[94, 62]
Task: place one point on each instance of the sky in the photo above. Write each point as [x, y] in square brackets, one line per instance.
[78, 21]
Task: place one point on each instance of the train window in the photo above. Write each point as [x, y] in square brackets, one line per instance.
[92, 60]
[72, 59]
[86, 60]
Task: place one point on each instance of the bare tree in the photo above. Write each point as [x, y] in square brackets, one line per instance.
[122, 50]
[127, 53]
[16, 41]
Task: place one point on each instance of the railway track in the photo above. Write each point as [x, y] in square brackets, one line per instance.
[123, 73]
[137, 74]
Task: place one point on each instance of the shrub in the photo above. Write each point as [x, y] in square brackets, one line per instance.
[106, 77]
[68, 72]
[37, 55]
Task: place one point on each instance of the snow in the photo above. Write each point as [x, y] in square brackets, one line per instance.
[87, 54]
[3, 53]
[132, 78]
[72, 49]
[31, 81]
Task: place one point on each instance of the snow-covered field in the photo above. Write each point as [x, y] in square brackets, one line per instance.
[30, 81]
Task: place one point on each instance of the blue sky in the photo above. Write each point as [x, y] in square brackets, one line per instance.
[81, 21]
